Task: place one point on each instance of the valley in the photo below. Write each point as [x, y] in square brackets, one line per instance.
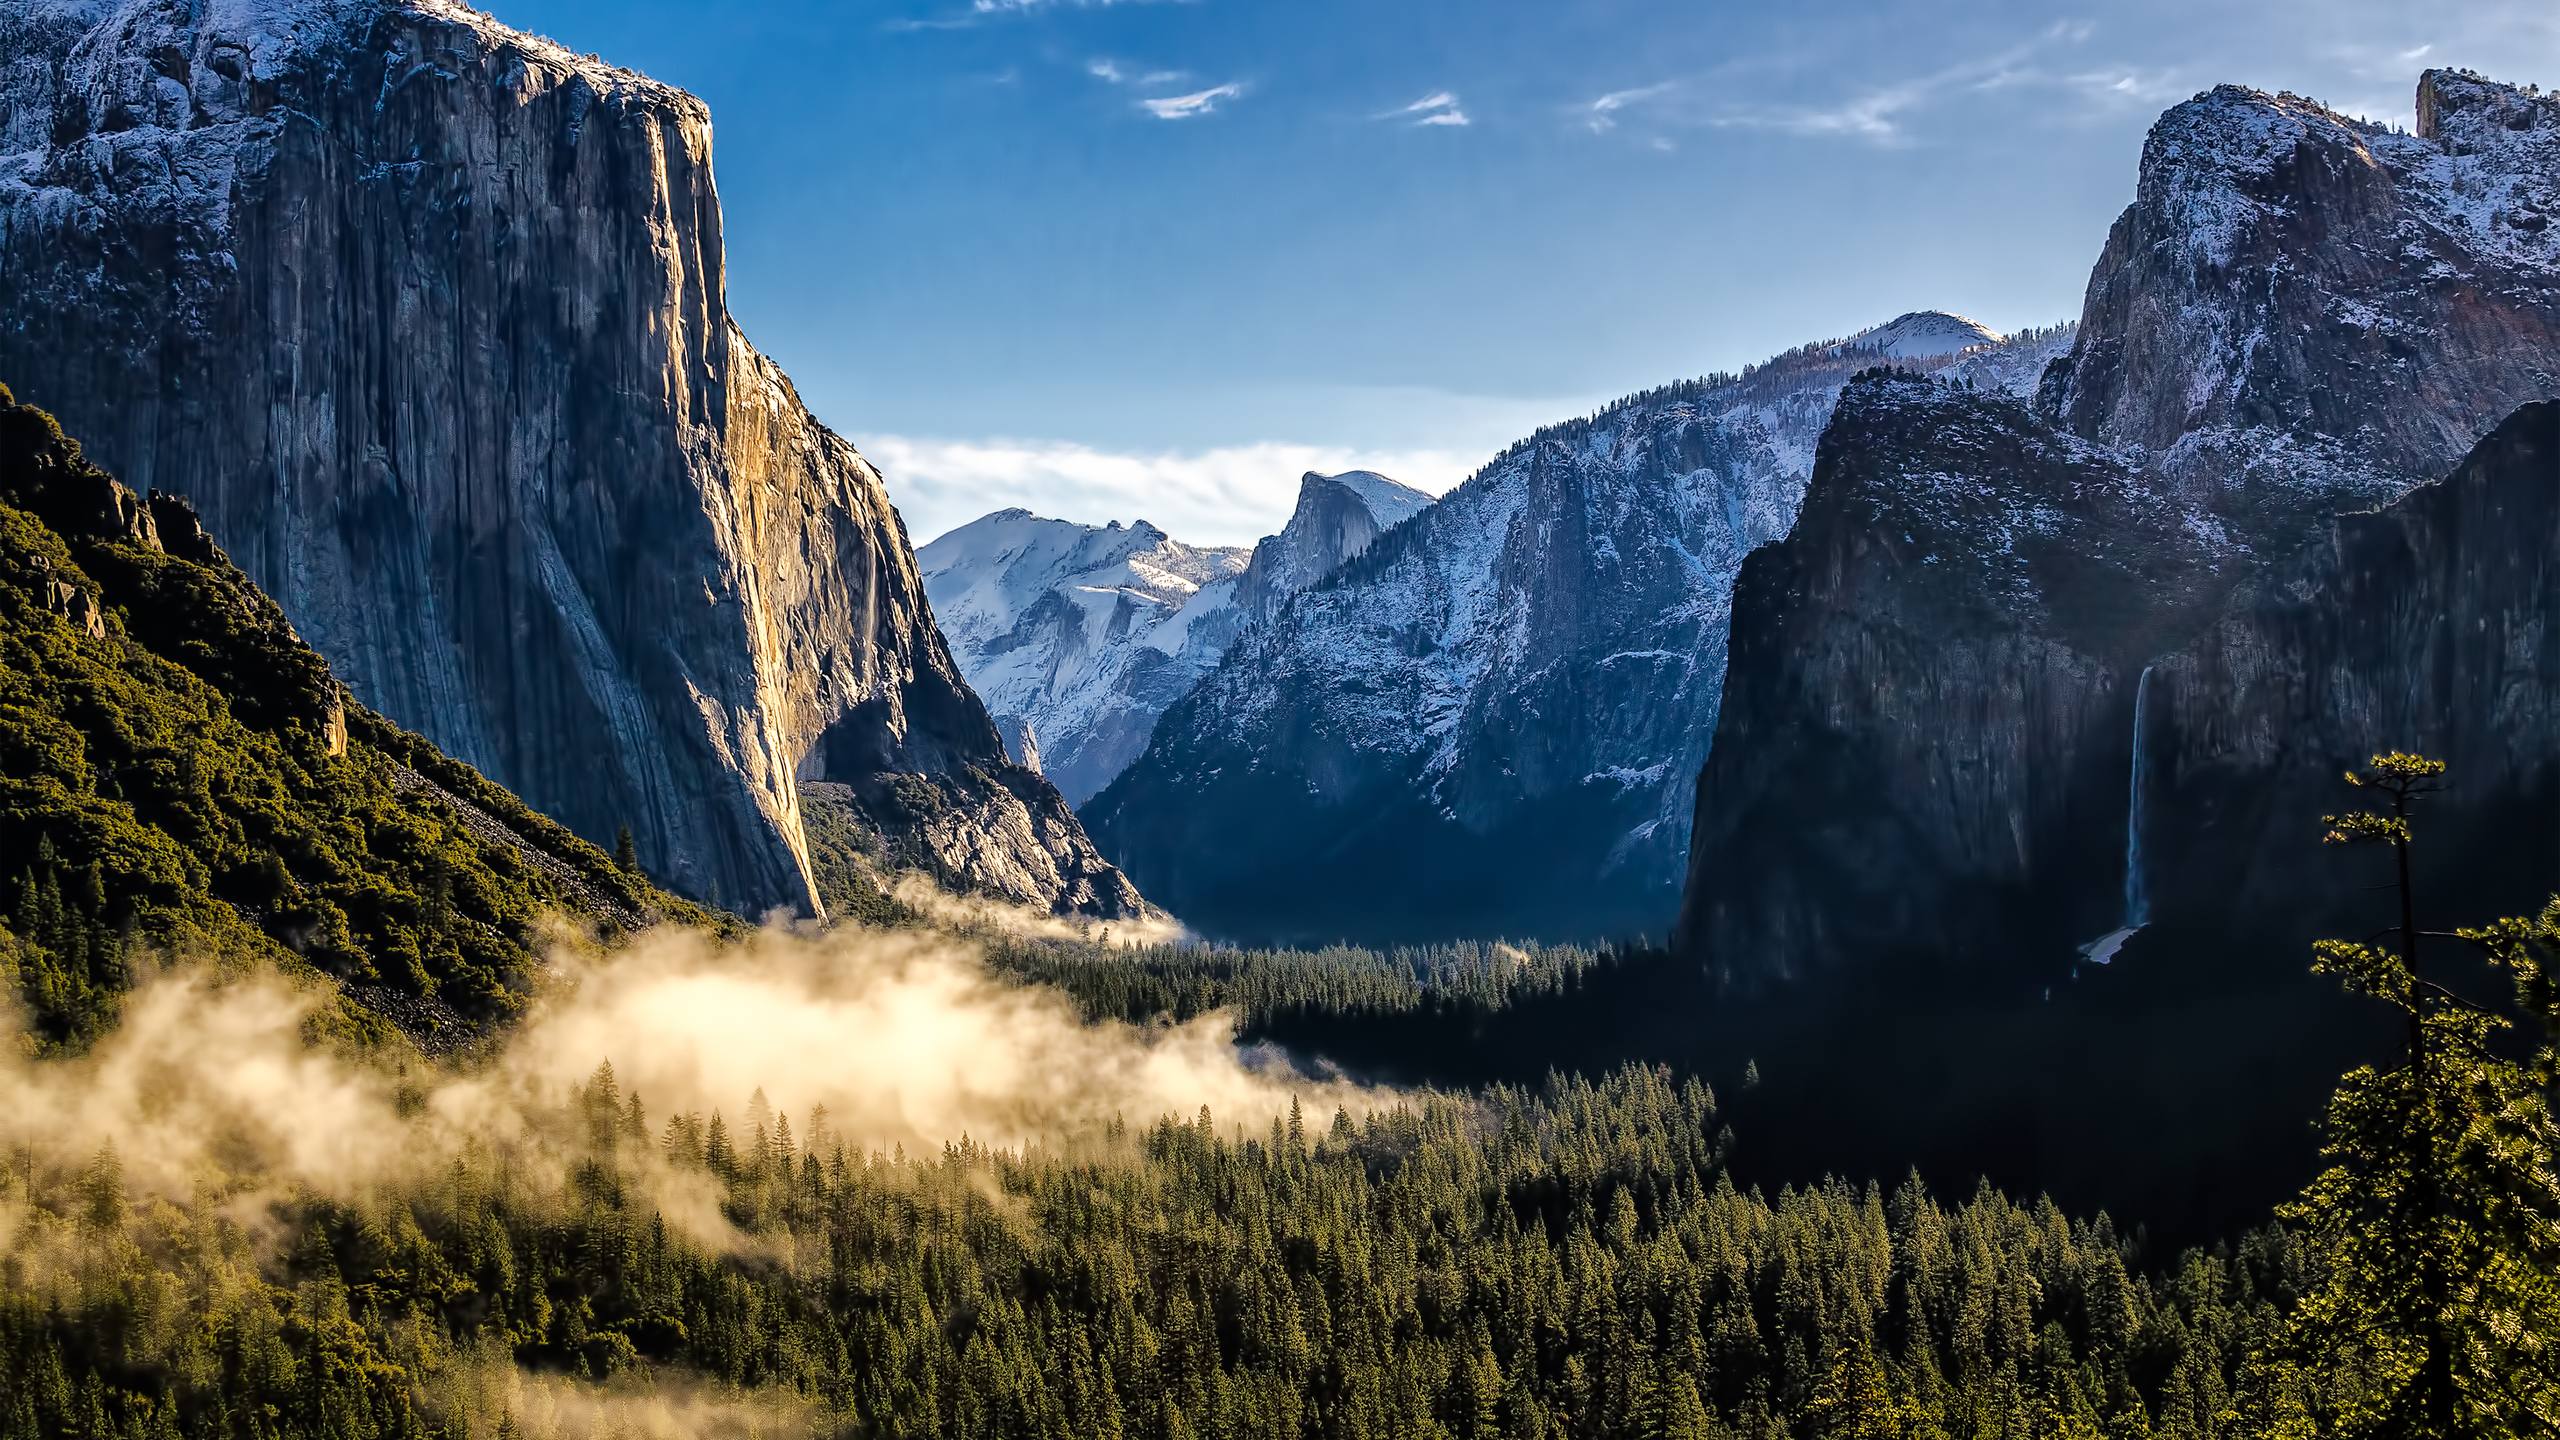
[1947, 882]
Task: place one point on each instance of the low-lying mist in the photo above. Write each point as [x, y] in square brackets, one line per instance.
[213, 1095]
[211, 1082]
[979, 915]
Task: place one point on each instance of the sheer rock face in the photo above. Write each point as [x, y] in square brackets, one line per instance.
[1337, 517]
[1925, 712]
[2298, 316]
[2433, 625]
[1929, 739]
[428, 319]
[1487, 723]
[2301, 312]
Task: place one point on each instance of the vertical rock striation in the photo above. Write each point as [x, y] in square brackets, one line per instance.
[2300, 311]
[1927, 694]
[428, 318]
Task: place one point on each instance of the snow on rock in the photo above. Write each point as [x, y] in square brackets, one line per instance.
[1527, 669]
[2301, 319]
[1075, 634]
[427, 317]
[2302, 311]
[1921, 335]
[1082, 635]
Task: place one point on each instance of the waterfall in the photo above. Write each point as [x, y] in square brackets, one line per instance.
[2137, 892]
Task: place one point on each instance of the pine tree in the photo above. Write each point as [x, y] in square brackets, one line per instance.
[2436, 1224]
[626, 855]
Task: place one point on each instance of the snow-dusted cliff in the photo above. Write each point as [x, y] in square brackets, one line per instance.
[2300, 311]
[1078, 637]
[427, 317]
[1930, 708]
[1528, 670]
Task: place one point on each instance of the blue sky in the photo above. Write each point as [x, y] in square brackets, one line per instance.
[1114, 258]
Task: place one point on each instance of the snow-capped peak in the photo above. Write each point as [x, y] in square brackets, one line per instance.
[1921, 335]
[1391, 502]
[1083, 634]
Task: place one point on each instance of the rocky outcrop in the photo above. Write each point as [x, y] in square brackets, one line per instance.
[1336, 519]
[1925, 762]
[1486, 724]
[1929, 683]
[235, 637]
[428, 318]
[2301, 312]
[1079, 636]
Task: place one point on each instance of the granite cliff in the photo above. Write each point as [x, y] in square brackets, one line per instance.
[428, 319]
[2300, 311]
[2301, 319]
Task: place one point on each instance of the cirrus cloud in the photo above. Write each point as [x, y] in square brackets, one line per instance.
[1440, 107]
[1197, 103]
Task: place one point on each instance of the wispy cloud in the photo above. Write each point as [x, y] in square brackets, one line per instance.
[984, 10]
[1879, 115]
[1112, 72]
[1225, 495]
[1440, 107]
[1025, 7]
[2149, 87]
[1601, 115]
[1197, 103]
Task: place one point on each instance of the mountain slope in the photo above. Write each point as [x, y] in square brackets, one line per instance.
[1078, 637]
[179, 772]
[1336, 518]
[1941, 831]
[1529, 669]
[428, 317]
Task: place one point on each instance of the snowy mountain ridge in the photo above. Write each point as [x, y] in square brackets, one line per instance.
[1539, 655]
[1922, 335]
[2259, 479]
[2297, 314]
[2284, 373]
[1077, 636]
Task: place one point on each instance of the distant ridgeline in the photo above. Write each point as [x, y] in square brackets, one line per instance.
[181, 775]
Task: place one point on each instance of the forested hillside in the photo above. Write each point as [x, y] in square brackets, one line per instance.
[180, 773]
[1568, 1262]
[227, 1208]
